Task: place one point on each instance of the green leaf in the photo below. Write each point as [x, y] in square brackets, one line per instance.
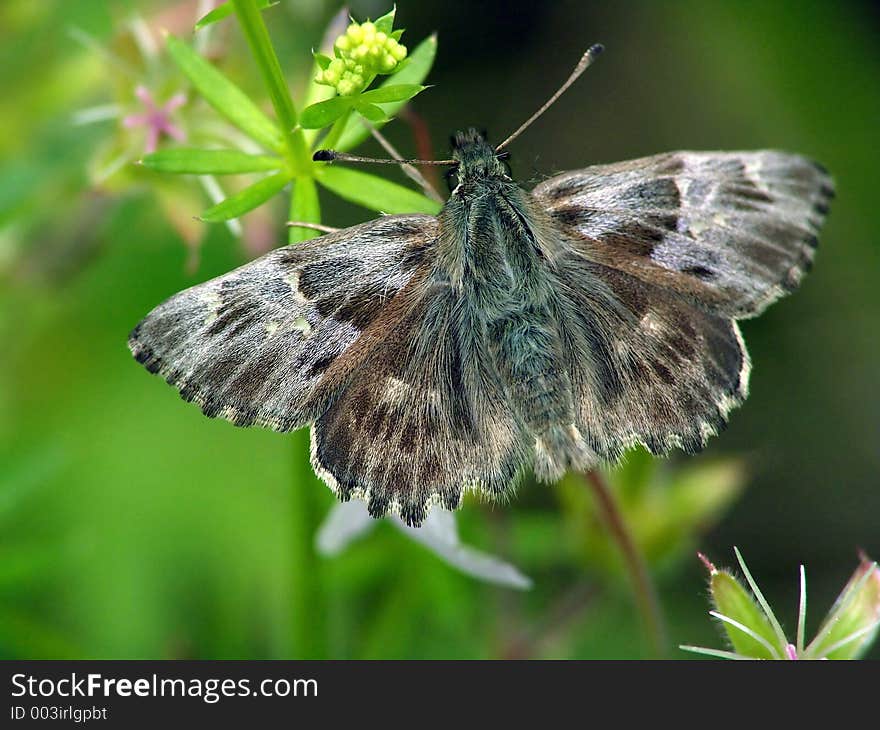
[392, 92]
[373, 192]
[386, 23]
[322, 60]
[396, 35]
[372, 112]
[415, 72]
[209, 162]
[326, 112]
[226, 9]
[247, 199]
[305, 208]
[224, 96]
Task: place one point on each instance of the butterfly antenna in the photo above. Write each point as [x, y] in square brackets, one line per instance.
[585, 62]
[333, 156]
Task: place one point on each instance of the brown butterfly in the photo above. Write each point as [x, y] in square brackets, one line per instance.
[551, 329]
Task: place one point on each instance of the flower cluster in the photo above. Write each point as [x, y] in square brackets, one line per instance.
[362, 53]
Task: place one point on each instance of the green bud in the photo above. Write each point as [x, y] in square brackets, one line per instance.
[362, 52]
[346, 87]
[852, 624]
[397, 50]
[734, 602]
[849, 629]
[387, 63]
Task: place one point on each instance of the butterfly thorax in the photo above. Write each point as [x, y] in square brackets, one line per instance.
[496, 254]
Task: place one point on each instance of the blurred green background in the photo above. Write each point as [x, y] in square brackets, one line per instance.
[133, 527]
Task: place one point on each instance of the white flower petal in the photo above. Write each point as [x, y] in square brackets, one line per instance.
[344, 524]
[439, 534]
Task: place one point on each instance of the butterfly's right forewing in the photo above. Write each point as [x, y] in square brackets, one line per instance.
[730, 232]
[271, 343]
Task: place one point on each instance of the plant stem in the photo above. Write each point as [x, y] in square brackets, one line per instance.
[333, 136]
[308, 612]
[251, 21]
[645, 592]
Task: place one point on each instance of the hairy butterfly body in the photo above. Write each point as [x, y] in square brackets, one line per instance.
[551, 329]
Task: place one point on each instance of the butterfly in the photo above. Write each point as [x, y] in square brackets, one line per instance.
[550, 329]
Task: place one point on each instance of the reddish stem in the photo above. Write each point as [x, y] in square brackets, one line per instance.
[645, 593]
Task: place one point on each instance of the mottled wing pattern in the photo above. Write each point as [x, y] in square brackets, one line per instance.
[423, 419]
[646, 366]
[263, 345]
[660, 256]
[729, 231]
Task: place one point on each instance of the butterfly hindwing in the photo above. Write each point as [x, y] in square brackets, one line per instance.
[264, 344]
[422, 419]
[729, 231]
[647, 367]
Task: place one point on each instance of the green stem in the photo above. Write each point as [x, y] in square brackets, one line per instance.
[645, 593]
[308, 611]
[335, 133]
[251, 21]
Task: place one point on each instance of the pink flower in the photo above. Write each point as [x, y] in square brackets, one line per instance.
[156, 119]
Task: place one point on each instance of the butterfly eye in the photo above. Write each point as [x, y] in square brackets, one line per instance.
[451, 176]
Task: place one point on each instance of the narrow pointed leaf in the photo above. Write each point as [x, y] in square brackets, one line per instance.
[386, 23]
[224, 95]
[373, 192]
[324, 113]
[226, 9]
[419, 63]
[392, 92]
[248, 199]
[209, 162]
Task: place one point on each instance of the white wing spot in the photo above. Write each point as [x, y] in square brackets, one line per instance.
[301, 324]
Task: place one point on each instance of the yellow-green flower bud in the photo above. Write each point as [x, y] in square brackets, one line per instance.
[345, 87]
[397, 50]
[387, 63]
[361, 52]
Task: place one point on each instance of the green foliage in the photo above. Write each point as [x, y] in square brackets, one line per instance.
[285, 135]
[664, 508]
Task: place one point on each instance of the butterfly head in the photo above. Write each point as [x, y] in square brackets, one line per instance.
[475, 159]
